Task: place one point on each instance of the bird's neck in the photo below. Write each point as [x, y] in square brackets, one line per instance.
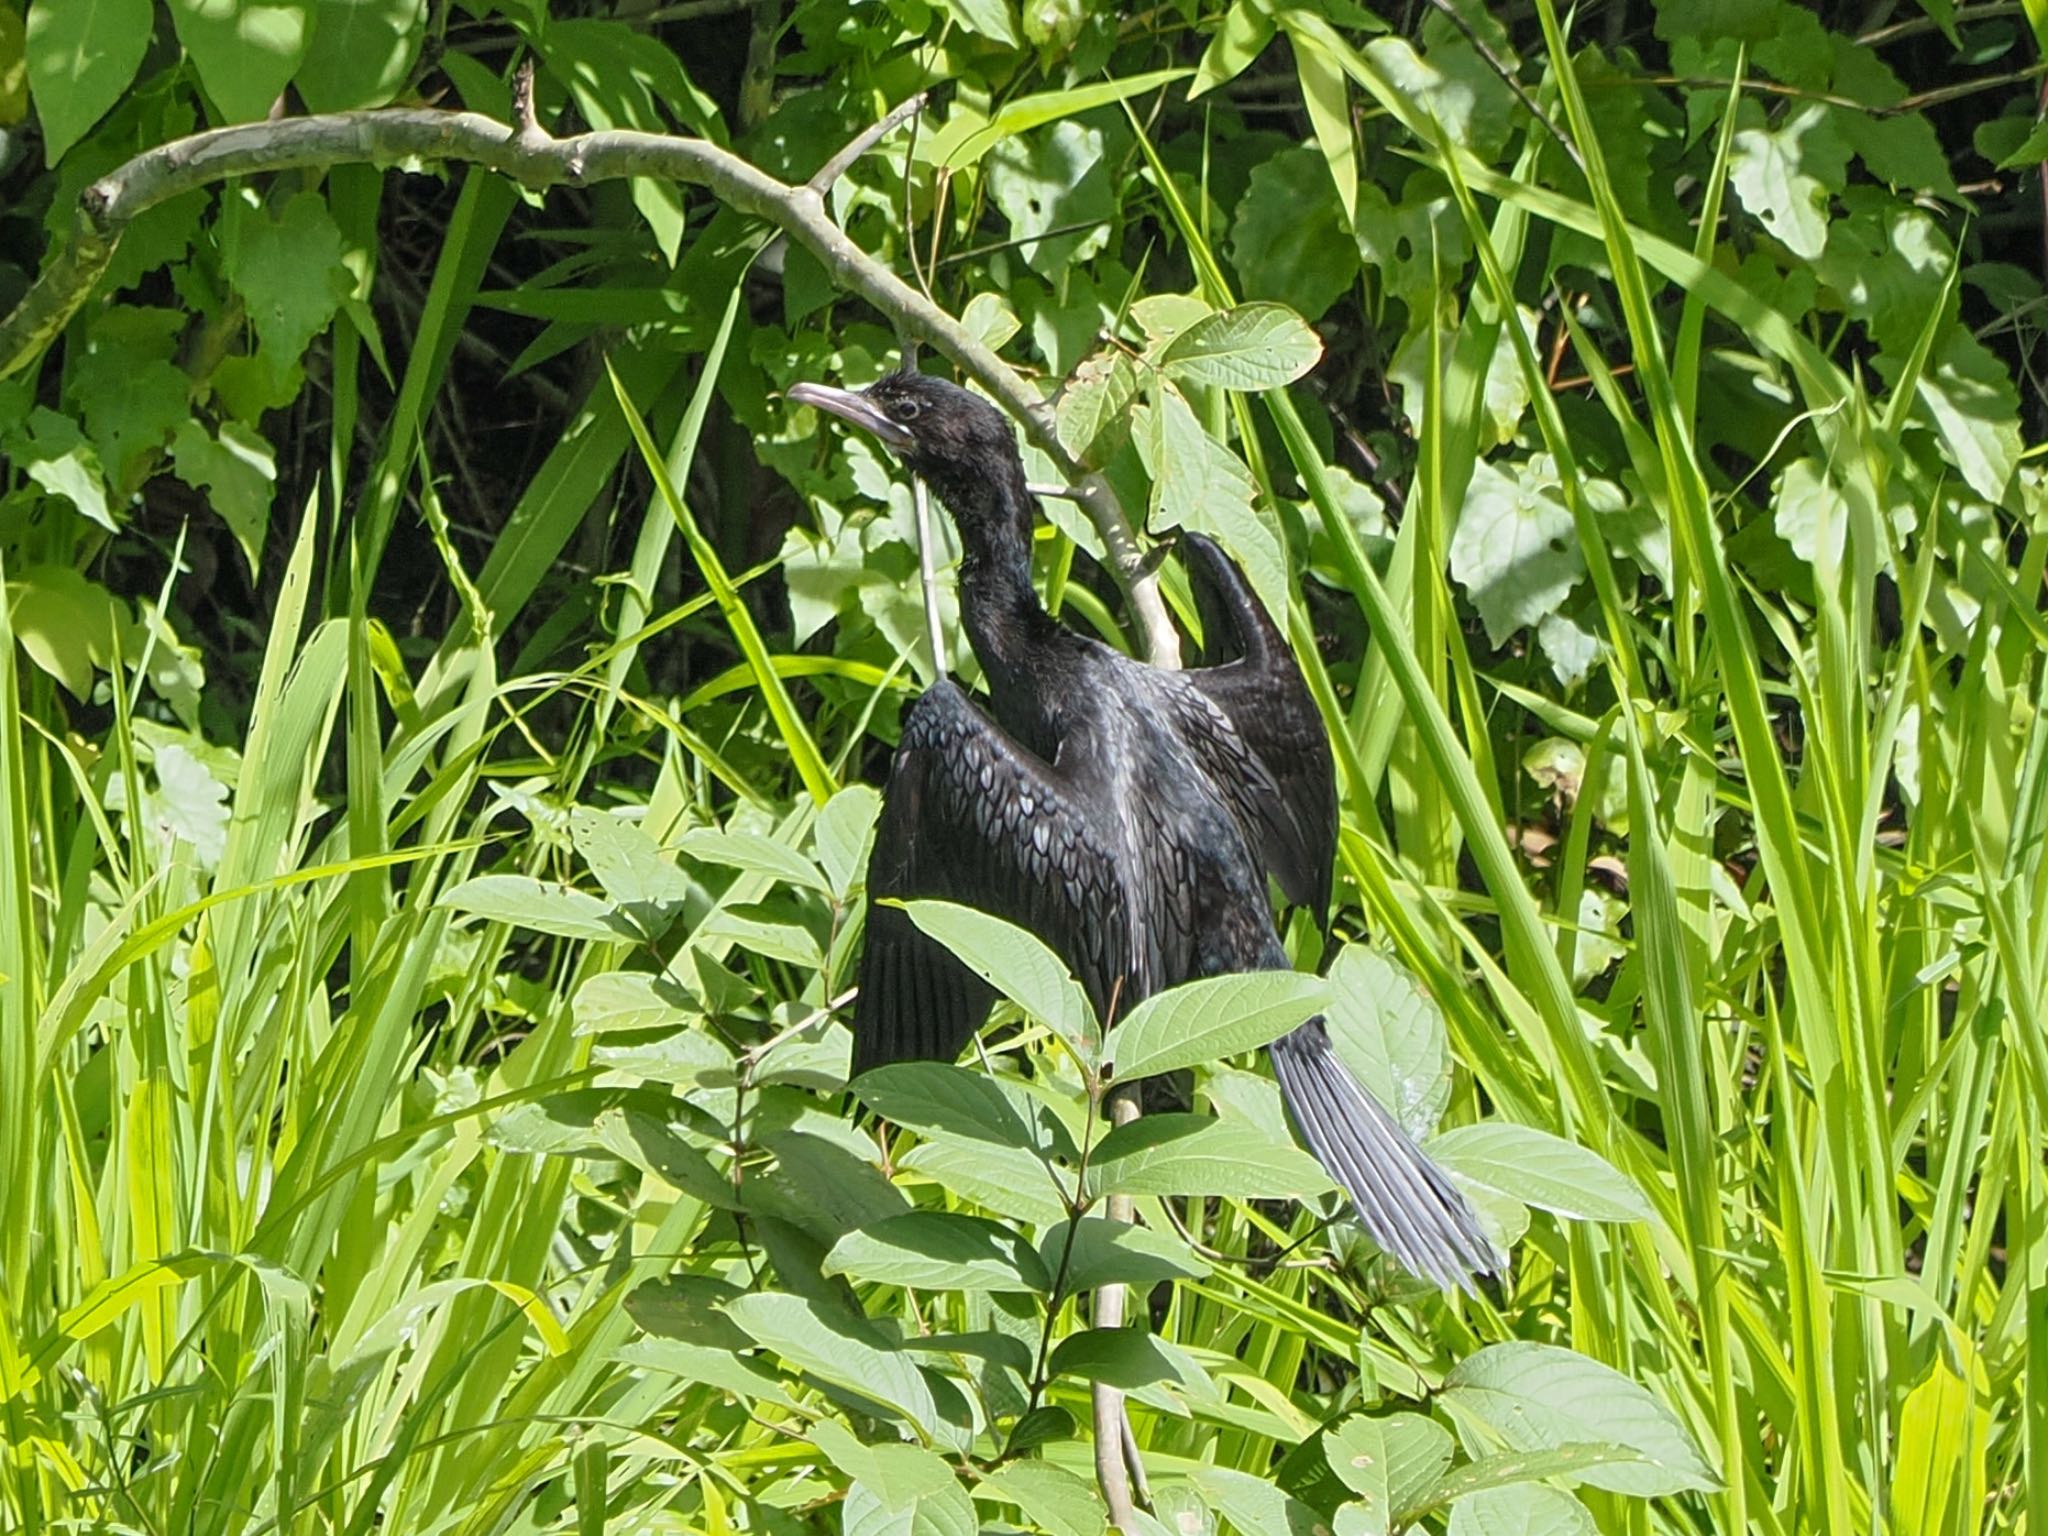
[998, 604]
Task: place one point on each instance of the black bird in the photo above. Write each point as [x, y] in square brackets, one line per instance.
[1124, 813]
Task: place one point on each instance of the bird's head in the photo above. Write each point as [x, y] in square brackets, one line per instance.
[962, 445]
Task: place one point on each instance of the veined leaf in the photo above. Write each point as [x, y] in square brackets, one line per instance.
[1251, 347]
[1216, 1016]
[1013, 961]
[1539, 1397]
[1194, 1155]
[1542, 1170]
[939, 1251]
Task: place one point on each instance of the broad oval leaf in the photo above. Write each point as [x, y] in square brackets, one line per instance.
[1527, 1510]
[1537, 1397]
[1194, 1155]
[544, 906]
[1093, 417]
[1251, 347]
[246, 51]
[898, 1490]
[841, 833]
[835, 1347]
[1217, 1016]
[1387, 1462]
[1013, 961]
[936, 1098]
[366, 48]
[1057, 1501]
[754, 853]
[1542, 1170]
[1568, 1463]
[939, 1250]
[80, 58]
[1102, 1251]
[1005, 1180]
[627, 862]
[614, 1002]
[1391, 1035]
[1126, 1358]
[1253, 1503]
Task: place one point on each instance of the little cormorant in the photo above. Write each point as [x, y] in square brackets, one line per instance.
[1124, 813]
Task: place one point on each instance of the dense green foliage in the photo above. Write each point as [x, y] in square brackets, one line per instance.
[438, 676]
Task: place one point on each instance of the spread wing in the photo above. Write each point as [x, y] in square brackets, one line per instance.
[1268, 748]
[971, 816]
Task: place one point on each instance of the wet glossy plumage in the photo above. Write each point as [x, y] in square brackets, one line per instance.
[1125, 814]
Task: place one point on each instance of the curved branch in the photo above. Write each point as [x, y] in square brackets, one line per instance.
[529, 155]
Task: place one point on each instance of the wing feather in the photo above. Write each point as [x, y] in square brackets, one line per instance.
[970, 815]
[1268, 749]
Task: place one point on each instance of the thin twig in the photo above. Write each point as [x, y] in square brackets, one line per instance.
[537, 160]
[1113, 1455]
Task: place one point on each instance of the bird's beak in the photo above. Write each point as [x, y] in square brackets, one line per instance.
[851, 405]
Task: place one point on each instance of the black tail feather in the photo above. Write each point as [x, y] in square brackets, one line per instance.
[1407, 1204]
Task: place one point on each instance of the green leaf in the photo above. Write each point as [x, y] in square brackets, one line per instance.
[898, 1490]
[237, 470]
[13, 68]
[991, 320]
[1053, 179]
[688, 1060]
[1976, 412]
[938, 1099]
[246, 50]
[836, 1348]
[1101, 1251]
[1391, 1035]
[1387, 1463]
[1254, 1505]
[1199, 483]
[751, 851]
[1520, 1469]
[1233, 47]
[1052, 1498]
[617, 1001]
[1288, 239]
[1217, 1016]
[939, 1251]
[1516, 549]
[1542, 1170]
[546, 907]
[630, 867]
[841, 834]
[1539, 1397]
[128, 391]
[1127, 1358]
[1013, 961]
[989, 18]
[1251, 347]
[66, 623]
[1006, 1180]
[688, 1309]
[362, 52]
[56, 456]
[1180, 1154]
[1035, 111]
[1528, 1510]
[289, 271]
[1093, 416]
[81, 56]
[1784, 177]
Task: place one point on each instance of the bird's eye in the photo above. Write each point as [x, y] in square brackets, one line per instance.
[908, 410]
